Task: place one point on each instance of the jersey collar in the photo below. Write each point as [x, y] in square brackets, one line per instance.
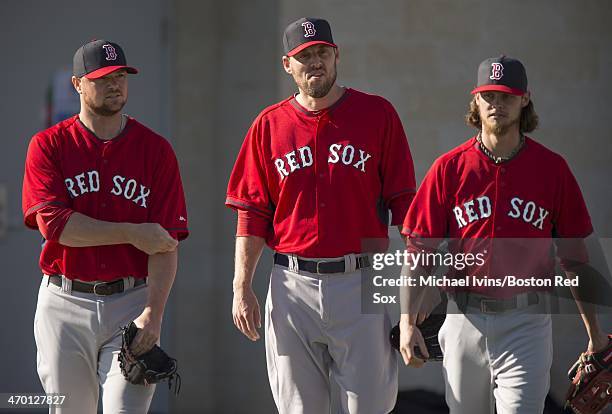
[327, 110]
[89, 133]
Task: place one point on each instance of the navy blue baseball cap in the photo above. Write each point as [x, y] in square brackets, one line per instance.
[98, 58]
[306, 32]
[502, 74]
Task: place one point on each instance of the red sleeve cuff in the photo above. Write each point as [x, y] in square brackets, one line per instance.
[51, 221]
[252, 224]
[399, 208]
[572, 253]
[178, 234]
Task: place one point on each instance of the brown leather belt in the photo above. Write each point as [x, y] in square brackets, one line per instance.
[321, 266]
[491, 305]
[99, 288]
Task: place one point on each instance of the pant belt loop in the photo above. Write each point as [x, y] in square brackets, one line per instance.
[293, 263]
[66, 285]
[128, 283]
[522, 300]
[350, 263]
[462, 299]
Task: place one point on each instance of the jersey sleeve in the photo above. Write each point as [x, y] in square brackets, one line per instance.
[43, 182]
[397, 168]
[428, 214]
[168, 207]
[52, 220]
[571, 217]
[252, 224]
[247, 188]
[571, 221]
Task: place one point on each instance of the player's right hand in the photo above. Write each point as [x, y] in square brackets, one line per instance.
[246, 313]
[410, 336]
[151, 238]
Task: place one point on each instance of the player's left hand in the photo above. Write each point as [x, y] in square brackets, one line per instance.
[410, 336]
[149, 332]
[597, 342]
[431, 299]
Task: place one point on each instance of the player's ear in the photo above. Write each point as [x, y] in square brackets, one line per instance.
[286, 64]
[337, 52]
[76, 82]
[525, 99]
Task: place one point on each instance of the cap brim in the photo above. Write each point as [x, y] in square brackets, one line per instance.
[98, 73]
[303, 46]
[499, 88]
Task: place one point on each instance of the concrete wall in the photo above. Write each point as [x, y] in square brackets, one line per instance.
[209, 67]
[226, 68]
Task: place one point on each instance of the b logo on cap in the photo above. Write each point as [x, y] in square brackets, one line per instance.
[497, 71]
[309, 29]
[111, 54]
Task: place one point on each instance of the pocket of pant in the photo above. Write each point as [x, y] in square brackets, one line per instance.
[441, 332]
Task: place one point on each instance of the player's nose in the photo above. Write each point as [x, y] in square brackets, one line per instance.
[316, 63]
[496, 102]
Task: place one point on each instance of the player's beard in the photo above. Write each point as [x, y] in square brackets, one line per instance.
[320, 89]
[499, 128]
[105, 109]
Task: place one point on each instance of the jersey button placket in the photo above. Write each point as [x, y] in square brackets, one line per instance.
[318, 170]
[101, 215]
[495, 226]
[102, 165]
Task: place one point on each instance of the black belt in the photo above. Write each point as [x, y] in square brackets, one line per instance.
[99, 288]
[490, 305]
[321, 266]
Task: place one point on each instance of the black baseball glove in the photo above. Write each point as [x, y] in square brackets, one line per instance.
[149, 368]
[429, 329]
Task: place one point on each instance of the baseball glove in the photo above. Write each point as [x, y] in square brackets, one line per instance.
[149, 368]
[591, 389]
[429, 329]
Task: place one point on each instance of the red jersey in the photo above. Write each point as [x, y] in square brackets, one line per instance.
[325, 180]
[133, 178]
[534, 195]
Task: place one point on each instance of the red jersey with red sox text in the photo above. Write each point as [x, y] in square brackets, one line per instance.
[132, 178]
[465, 195]
[325, 180]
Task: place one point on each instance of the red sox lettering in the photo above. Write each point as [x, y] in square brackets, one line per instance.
[89, 182]
[337, 153]
[528, 212]
[91, 186]
[480, 208]
[305, 154]
[484, 208]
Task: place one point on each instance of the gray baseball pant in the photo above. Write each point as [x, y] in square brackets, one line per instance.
[315, 334]
[78, 339]
[496, 361]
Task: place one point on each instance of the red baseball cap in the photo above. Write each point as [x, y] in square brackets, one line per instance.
[306, 32]
[98, 58]
[502, 74]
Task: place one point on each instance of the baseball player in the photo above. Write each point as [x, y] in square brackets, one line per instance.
[106, 194]
[499, 184]
[316, 176]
